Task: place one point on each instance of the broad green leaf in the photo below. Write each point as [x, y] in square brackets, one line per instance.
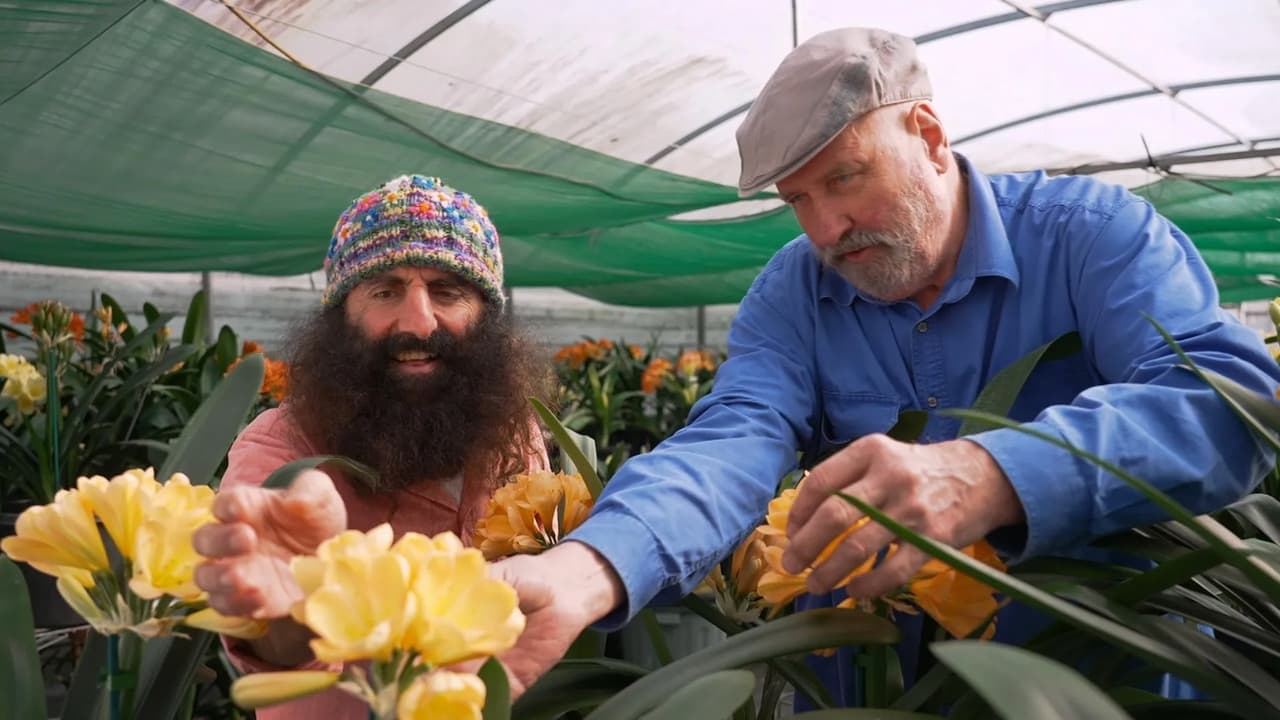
[1125, 696]
[801, 676]
[1154, 651]
[167, 671]
[497, 695]
[1212, 532]
[1262, 512]
[149, 312]
[1020, 684]
[227, 348]
[711, 696]
[204, 441]
[193, 328]
[21, 680]
[285, 475]
[1001, 392]
[584, 466]
[85, 693]
[801, 632]
[574, 685]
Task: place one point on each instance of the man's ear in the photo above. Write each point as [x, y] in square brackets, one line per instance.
[924, 125]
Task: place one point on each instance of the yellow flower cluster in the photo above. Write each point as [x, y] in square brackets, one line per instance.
[22, 382]
[531, 513]
[409, 607]
[956, 601]
[151, 525]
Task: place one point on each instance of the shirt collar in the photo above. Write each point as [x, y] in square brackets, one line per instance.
[986, 250]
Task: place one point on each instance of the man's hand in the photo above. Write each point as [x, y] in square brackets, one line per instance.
[953, 492]
[562, 592]
[258, 531]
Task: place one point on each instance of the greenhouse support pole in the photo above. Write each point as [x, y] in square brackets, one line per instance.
[206, 286]
[702, 326]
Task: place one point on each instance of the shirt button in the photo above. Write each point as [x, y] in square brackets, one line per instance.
[932, 401]
[922, 327]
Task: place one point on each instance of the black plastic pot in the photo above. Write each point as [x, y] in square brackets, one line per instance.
[47, 606]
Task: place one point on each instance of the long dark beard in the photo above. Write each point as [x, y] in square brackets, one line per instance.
[349, 399]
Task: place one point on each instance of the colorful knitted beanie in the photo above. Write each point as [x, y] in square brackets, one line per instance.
[413, 220]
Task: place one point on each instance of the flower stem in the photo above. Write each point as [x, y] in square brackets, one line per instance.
[113, 665]
[127, 671]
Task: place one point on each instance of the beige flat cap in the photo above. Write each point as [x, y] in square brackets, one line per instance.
[824, 84]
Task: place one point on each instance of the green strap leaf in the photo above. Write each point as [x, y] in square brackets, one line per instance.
[575, 685]
[657, 638]
[565, 438]
[84, 695]
[1156, 653]
[710, 696]
[168, 669]
[193, 328]
[865, 714]
[205, 440]
[21, 681]
[801, 676]
[801, 632]
[1020, 684]
[1165, 575]
[497, 695]
[284, 476]
[1002, 390]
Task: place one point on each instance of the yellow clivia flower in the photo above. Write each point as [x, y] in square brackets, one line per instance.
[121, 503]
[236, 627]
[531, 513]
[362, 609]
[59, 539]
[164, 560]
[443, 695]
[272, 688]
[462, 613]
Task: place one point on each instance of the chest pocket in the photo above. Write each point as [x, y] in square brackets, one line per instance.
[847, 417]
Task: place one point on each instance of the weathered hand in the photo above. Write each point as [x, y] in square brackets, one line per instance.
[562, 592]
[257, 533]
[953, 492]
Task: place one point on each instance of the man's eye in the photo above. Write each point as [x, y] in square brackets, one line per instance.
[383, 294]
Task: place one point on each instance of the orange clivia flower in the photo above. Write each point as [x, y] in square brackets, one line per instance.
[275, 379]
[636, 351]
[23, 316]
[691, 361]
[651, 380]
[250, 347]
[532, 513]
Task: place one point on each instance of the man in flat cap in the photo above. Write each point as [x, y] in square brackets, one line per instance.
[916, 280]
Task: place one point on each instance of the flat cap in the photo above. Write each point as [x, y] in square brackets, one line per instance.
[824, 84]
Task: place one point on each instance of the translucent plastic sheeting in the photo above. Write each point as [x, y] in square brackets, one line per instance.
[149, 136]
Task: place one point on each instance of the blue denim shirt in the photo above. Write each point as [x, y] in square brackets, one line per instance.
[813, 364]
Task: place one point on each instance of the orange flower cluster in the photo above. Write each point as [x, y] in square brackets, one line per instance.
[532, 513]
[275, 377]
[691, 361]
[651, 380]
[959, 603]
[74, 321]
[577, 355]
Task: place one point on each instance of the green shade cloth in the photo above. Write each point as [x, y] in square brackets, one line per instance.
[134, 136]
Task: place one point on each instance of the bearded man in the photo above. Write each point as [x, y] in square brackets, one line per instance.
[410, 366]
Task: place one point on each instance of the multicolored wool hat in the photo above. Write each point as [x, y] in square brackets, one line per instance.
[413, 220]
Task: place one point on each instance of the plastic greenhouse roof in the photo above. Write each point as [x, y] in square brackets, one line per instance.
[143, 135]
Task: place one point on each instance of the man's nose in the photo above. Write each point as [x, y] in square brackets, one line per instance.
[417, 315]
